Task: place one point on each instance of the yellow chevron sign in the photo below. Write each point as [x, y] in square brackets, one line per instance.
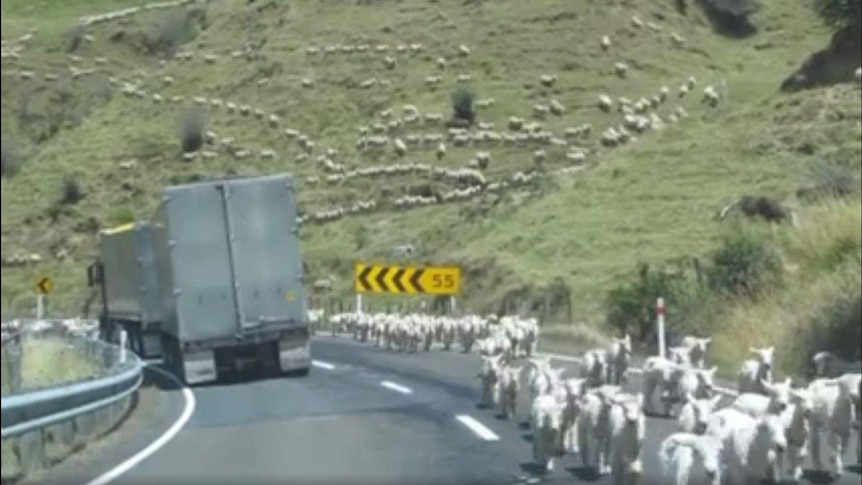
[407, 280]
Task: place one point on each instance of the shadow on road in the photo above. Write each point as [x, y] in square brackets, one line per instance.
[584, 474]
[819, 477]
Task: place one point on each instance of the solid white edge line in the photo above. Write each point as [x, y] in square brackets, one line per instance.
[323, 365]
[477, 428]
[396, 387]
[162, 440]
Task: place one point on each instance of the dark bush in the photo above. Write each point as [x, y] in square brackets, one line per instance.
[838, 327]
[462, 105]
[72, 192]
[829, 179]
[766, 208]
[631, 306]
[731, 17]
[192, 130]
[744, 265]
[172, 31]
[11, 158]
[839, 14]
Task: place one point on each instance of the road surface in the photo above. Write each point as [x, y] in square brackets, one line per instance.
[363, 416]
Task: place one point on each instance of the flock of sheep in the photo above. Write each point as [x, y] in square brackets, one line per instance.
[401, 135]
[764, 433]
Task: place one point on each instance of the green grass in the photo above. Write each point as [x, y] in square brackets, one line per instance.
[653, 200]
[47, 362]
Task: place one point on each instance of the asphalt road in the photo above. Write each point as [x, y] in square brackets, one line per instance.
[364, 415]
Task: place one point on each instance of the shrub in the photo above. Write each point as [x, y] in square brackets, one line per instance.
[630, 307]
[763, 207]
[839, 14]
[72, 192]
[10, 158]
[192, 130]
[121, 215]
[829, 179]
[731, 17]
[744, 266]
[462, 105]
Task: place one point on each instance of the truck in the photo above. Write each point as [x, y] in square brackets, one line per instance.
[212, 283]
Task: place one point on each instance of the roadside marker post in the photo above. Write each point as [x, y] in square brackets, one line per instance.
[660, 310]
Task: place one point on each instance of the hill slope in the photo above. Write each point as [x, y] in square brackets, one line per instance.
[569, 233]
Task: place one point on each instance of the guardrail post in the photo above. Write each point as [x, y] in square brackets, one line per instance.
[14, 366]
[123, 339]
[661, 337]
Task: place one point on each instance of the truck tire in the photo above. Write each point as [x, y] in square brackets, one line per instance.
[304, 372]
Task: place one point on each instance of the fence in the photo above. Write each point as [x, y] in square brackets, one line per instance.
[45, 420]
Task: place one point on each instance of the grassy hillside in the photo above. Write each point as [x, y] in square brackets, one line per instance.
[653, 200]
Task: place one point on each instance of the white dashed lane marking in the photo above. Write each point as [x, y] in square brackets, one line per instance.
[396, 387]
[477, 428]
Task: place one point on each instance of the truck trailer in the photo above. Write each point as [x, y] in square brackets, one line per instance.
[213, 282]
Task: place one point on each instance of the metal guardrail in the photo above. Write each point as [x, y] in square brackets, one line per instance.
[29, 412]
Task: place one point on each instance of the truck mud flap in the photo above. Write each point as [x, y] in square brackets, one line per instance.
[294, 356]
[152, 346]
[199, 367]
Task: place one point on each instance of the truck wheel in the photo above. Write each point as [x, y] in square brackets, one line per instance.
[304, 372]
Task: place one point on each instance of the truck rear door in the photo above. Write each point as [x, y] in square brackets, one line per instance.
[264, 247]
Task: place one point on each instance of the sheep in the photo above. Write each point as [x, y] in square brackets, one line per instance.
[606, 104]
[827, 364]
[750, 444]
[441, 62]
[539, 156]
[509, 387]
[399, 147]
[274, 121]
[556, 107]
[690, 459]
[774, 400]
[593, 428]
[441, 151]
[389, 62]
[548, 80]
[710, 96]
[540, 111]
[659, 376]
[797, 428]
[575, 389]
[606, 43]
[576, 157]
[621, 69]
[618, 357]
[210, 59]
[677, 39]
[307, 83]
[546, 421]
[696, 349]
[637, 22]
[694, 415]
[463, 50]
[683, 91]
[858, 75]
[756, 371]
[835, 401]
[490, 376]
[627, 427]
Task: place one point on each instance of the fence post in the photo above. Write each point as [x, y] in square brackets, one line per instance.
[40, 307]
[660, 310]
[359, 303]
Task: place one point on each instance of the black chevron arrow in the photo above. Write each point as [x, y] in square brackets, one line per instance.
[397, 279]
[415, 280]
[363, 278]
[381, 278]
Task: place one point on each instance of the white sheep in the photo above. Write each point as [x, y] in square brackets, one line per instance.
[548, 80]
[827, 364]
[539, 156]
[546, 421]
[637, 22]
[606, 104]
[593, 429]
[399, 147]
[627, 429]
[490, 375]
[463, 50]
[618, 358]
[621, 69]
[751, 445]
[606, 43]
[690, 459]
[696, 349]
[510, 385]
[695, 414]
[756, 371]
[835, 403]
